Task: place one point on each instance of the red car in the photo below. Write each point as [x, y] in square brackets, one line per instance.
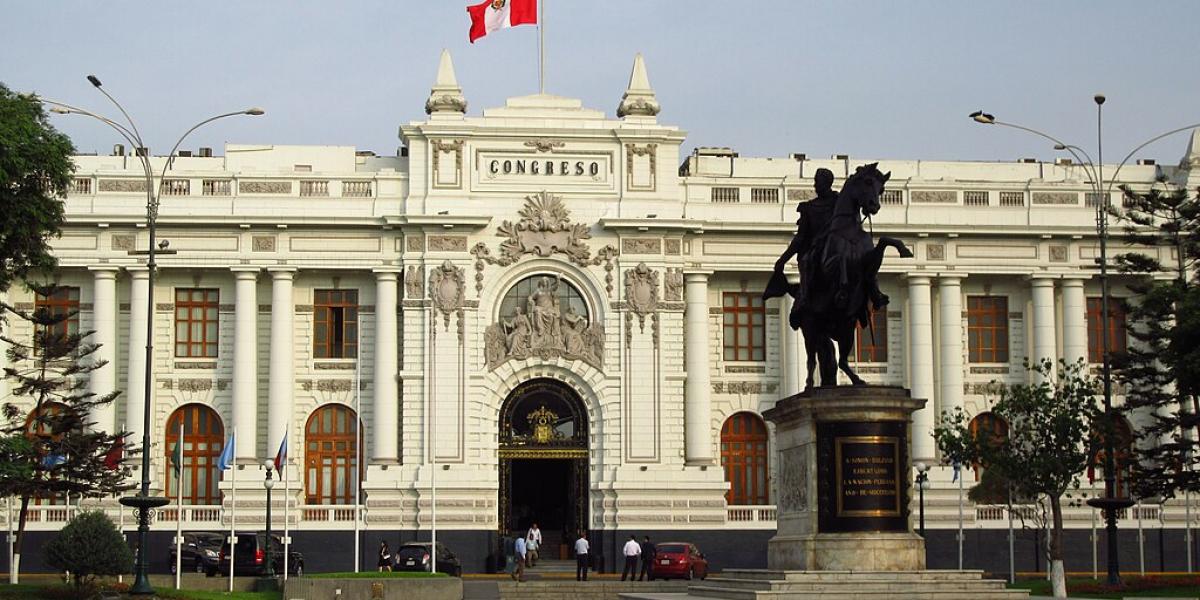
[678, 559]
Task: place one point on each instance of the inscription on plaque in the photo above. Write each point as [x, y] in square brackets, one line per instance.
[862, 476]
[866, 480]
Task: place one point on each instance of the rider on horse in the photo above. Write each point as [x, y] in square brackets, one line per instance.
[811, 229]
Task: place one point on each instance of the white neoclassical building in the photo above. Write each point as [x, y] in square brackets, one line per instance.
[542, 312]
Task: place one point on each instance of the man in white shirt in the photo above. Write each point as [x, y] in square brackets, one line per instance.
[533, 541]
[631, 551]
[581, 557]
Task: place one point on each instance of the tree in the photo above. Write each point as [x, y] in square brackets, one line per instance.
[1046, 449]
[35, 170]
[1161, 369]
[54, 449]
[89, 546]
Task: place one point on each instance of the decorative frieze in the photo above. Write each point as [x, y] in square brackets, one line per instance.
[195, 365]
[334, 366]
[415, 243]
[672, 246]
[989, 370]
[544, 145]
[935, 252]
[264, 187]
[641, 246]
[262, 243]
[933, 197]
[1058, 254]
[414, 283]
[123, 185]
[745, 369]
[744, 387]
[124, 242]
[673, 285]
[1056, 198]
[448, 243]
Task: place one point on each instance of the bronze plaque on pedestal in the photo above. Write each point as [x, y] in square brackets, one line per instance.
[862, 475]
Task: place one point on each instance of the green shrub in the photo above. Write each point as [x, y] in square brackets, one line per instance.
[89, 546]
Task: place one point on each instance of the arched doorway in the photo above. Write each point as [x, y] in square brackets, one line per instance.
[331, 467]
[544, 462]
[203, 440]
[744, 458]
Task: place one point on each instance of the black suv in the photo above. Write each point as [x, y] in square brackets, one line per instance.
[250, 556]
[199, 551]
[414, 556]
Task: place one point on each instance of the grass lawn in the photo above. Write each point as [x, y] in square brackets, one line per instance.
[59, 592]
[1132, 586]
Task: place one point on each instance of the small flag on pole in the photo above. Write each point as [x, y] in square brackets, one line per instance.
[281, 456]
[112, 460]
[226, 459]
[177, 456]
[957, 468]
[490, 15]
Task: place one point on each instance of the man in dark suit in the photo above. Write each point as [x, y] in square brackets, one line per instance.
[648, 551]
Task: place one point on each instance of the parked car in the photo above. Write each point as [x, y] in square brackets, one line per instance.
[678, 560]
[251, 556]
[199, 551]
[414, 556]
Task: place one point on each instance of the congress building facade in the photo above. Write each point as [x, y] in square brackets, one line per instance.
[545, 313]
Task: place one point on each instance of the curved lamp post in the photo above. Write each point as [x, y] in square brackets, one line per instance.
[1110, 504]
[143, 501]
[269, 483]
[922, 482]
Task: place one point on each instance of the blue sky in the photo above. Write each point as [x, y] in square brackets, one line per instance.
[880, 79]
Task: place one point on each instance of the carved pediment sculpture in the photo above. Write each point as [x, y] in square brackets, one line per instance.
[545, 228]
[447, 285]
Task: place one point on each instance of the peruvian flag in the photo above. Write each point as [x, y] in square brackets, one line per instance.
[490, 15]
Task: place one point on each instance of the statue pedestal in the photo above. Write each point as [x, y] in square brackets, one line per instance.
[844, 481]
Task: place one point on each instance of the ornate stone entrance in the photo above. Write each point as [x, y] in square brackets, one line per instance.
[544, 462]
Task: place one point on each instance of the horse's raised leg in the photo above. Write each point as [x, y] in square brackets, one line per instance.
[846, 348]
[897, 244]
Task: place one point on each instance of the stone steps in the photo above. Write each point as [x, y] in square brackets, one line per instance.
[841, 585]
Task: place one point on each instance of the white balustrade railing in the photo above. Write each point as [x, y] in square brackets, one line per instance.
[751, 516]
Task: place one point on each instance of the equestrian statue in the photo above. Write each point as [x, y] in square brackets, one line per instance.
[839, 268]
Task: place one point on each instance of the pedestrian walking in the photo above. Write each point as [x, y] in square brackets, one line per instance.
[518, 572]
[632, 551]
[648, 552]
[533, 545]
[385, 557]
[581, 557]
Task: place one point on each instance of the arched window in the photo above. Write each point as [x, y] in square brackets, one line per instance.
[989, 428]
[40, 426]
[744, 458]
[1122, 455]
[569, 300]
[330, 463]
[203, 440]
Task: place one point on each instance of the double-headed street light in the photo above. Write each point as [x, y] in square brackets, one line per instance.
[1110, 504]
[143, 501]
[269, 483]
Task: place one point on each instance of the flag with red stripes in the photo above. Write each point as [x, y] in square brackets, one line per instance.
[490, 15]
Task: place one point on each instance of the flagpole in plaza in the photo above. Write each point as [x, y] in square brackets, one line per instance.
[281, 459]
[541, 46]
[178, 456]
[357, 448]
[228, 461]
[12, 573]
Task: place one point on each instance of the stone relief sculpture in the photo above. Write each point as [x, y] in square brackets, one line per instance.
[414, 287]
[641, 291]
[447, 285]
[541, 327]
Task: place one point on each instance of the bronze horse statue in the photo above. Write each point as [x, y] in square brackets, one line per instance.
[842, 267]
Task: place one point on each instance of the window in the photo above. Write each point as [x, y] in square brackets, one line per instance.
[61, 302]
[1116, 328]
[987, 428]
[1012, 198]
[975, 198]
[330, 462]
[335, 324]
[725, 194]
[744, 458]
[196, 323]
[203, 440]
[1122, 455]
[744, 326]
[39, 426]
[987, 329]
[871, 344]
[892, 197]
[764, 195]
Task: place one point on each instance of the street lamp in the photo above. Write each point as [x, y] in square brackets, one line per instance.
[922, 482]
[143, 501]
[269, 483]
[1110, 504]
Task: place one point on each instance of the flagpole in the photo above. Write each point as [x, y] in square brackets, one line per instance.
[958, 475]
[179, 509]
[287, 501]
[12, 573]
[541, 46]
[357, 448]
[120, 509]
[233, 510]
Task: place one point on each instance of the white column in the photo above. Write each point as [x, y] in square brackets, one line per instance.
[1074, 321]
[103, 381]
[385, 422]
[697, 405]
[135, 382]
[791, 356]
[4, 330]
[920, 363]
[1042, 290]
[282, 375]
[950, 342]
[245, 362]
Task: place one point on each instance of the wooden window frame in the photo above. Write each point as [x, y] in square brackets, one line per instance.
[877, 352]
[64, 301]
[735, 306]
[204, 342]
[997, 432]
[745, 459]
[204, 439]
[332, 449]
[979, 310]
[335, 324]
[1118, 325]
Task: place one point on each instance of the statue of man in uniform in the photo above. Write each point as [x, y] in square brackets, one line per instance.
[806, 245]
